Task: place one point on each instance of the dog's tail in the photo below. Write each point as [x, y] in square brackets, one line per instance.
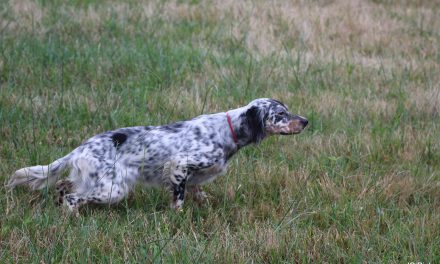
[38, 177]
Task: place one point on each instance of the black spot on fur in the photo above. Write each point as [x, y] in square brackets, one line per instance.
[277, 102]
[173, 128]
[179, 190]
[197, 132]
[279, 118]
[178, 125]
[118, 139]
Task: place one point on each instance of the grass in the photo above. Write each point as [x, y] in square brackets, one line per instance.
[361, 184]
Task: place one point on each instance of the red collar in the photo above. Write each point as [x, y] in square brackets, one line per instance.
[231, 128]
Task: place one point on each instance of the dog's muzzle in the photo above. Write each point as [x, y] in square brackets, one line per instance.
[296, 125]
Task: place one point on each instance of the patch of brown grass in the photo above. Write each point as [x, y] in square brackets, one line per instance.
[399, 187]
[26, 15]
[426, 100]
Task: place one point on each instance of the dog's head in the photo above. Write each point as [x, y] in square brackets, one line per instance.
[271, 117]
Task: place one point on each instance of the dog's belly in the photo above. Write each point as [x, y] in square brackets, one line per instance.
[203, 176]
[207, 175]
[152, 175]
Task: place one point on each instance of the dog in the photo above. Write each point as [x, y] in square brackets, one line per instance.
[182, 155]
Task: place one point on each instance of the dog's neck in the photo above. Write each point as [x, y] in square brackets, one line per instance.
[242, 127]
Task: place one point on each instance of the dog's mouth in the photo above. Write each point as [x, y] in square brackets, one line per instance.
[290, 133]
[294, 126]
[286, 131]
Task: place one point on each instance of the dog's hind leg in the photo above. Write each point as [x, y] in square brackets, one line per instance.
[72, 202]
[104, 193]
[98, 182]
[62, 188]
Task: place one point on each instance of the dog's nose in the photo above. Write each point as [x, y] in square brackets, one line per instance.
[304, 122]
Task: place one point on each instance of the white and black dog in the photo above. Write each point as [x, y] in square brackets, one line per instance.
[183, 154]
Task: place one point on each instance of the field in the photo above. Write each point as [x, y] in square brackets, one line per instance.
[360, 184]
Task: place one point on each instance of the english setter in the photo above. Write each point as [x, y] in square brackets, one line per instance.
[183, 154]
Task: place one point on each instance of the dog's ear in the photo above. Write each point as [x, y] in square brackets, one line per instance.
[255, 123]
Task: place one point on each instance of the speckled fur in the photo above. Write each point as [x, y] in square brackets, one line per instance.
[188, 153]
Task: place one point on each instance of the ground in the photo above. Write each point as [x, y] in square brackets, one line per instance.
[361, 184]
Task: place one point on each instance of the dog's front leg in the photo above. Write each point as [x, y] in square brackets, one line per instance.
[176, 173]
[178, 190]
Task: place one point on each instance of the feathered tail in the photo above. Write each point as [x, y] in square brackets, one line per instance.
[38, 177]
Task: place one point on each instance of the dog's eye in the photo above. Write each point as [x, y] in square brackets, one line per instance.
[281, 114]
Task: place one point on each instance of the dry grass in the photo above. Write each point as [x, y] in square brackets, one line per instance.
[425, 100]
[26, 15]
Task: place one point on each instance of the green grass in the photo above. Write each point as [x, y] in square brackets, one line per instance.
[361, 184]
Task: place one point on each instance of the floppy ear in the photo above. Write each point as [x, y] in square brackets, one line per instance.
[255, 123]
